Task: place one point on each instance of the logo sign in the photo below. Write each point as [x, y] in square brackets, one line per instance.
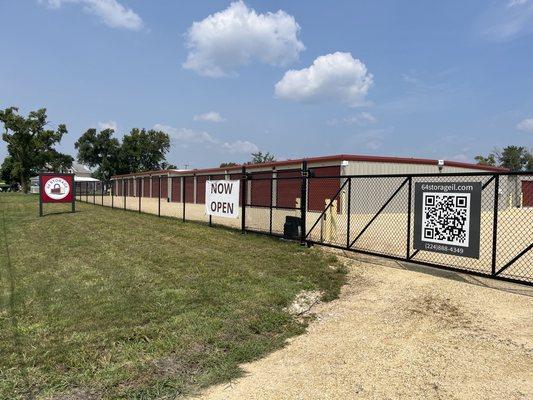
[447, 217]
[222, 198]
[56, 188]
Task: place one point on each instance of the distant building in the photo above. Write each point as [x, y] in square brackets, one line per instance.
[81, 174]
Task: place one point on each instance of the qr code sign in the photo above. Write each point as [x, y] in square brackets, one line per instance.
[446, 218]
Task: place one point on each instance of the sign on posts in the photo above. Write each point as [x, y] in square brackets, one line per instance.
[447, 217]
[56, 188]
[222, 198]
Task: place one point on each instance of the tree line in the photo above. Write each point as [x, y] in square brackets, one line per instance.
[31, 148]
[514, 158]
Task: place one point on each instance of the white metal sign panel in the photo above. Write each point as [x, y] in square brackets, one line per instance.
[222, 198]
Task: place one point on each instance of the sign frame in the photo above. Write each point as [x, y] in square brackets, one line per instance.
[45, 198]
[467, 192]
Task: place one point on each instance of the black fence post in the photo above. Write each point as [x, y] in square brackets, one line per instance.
[86, 192]
[205, 200]
[495, 223]
[139, 191]
[271, 201]
[409, 191]
[113, 193]
[94, 192]
[124, 193]
[303, 202]
[243, 200]
[102, 190]
[349, 212]
[184, 183]
[159, 196]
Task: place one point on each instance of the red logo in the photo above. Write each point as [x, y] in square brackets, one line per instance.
[56, 188]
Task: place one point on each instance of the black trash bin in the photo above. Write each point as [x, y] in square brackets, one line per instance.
[292, 228]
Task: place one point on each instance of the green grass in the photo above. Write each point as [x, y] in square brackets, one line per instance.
[115, 304]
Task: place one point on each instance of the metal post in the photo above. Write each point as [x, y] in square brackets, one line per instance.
[409, 190]
[94, 192]
[243, 200]
[139, 192]
[210, 216]
[102, 190]
[349, 211]
[86, 192]
[159, 196]
[124, 193]
[73, 206]
[271, 200]
[495, 223]
[303, 202]
[113, 192]
[183, 195]
[40, 199]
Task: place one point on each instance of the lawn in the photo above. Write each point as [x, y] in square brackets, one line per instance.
[109, 303]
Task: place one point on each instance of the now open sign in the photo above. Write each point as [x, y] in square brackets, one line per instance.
[222, 198]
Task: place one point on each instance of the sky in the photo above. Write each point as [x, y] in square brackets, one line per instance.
[443, 80]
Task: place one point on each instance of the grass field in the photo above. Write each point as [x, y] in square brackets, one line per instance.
[113, 304]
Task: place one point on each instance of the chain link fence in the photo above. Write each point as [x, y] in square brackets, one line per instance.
[373, 214]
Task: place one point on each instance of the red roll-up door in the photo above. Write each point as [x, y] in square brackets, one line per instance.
[527, 193]
[146, 187]
[261, 189]
[155, 187]
[318, 190]
[288, 190]
[164, 187]
[175, 189]
[200, 189]
[189, 189]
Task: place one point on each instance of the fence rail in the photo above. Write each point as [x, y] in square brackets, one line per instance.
[369, 214]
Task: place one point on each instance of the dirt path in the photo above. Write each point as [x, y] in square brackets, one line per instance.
[403, 334]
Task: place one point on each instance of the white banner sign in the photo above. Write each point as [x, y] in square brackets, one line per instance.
[222, 198]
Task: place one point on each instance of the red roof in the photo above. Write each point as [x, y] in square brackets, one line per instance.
[324, 159]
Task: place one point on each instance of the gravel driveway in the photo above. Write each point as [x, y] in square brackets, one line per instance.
[398, 333]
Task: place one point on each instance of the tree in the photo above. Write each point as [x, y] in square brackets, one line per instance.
[99, 150]
[227, 164]
[515, 158]
[165, 165]
[260, 158]
[30, 146]
[6, 170]
[489, 160]
[143, 150]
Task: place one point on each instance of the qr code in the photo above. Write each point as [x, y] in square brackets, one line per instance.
[446, 218]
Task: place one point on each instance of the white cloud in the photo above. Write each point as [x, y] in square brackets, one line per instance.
[185, 135]
[361, 119]
[210, 116]
[525, 125]
[240, 146]
[110, 12]
[506, 21]
[333, 77]
[238, 35]
[372, 139]
[108, 125]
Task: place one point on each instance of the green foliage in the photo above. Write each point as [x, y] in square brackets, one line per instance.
[489, 160]
[140, 150]
[515, 158]
[227, 164]
[260, 158]
[99, 150]
[6, 170]
[143, 150]
[30, 146]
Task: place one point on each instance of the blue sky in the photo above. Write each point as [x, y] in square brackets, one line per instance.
[431, 79]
